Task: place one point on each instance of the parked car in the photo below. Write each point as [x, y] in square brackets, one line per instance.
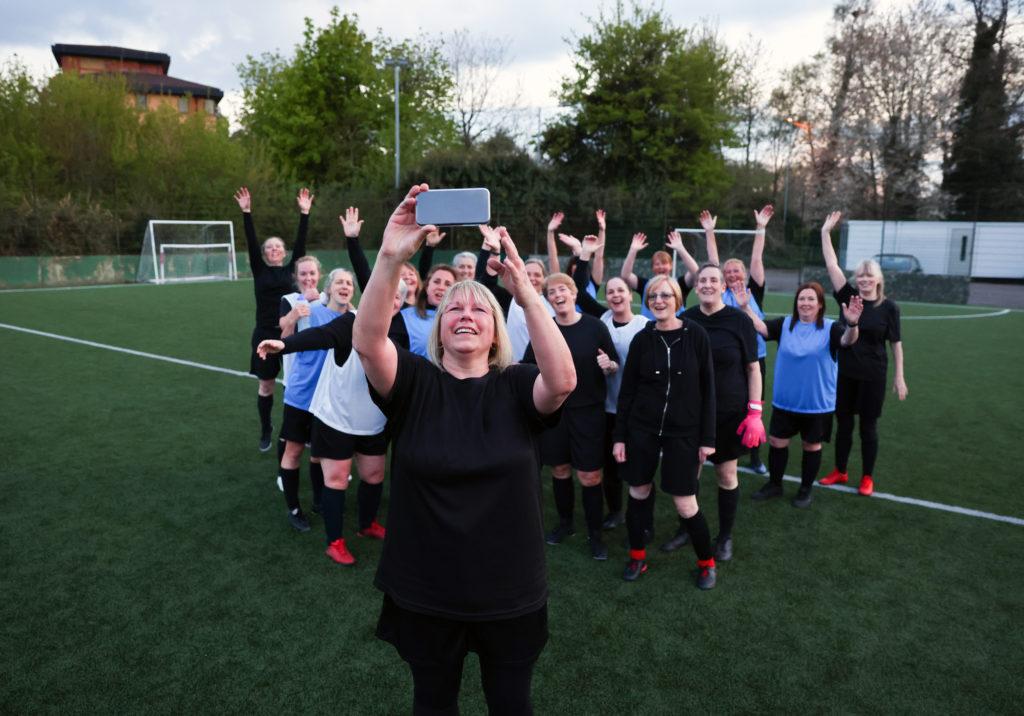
[898, 263]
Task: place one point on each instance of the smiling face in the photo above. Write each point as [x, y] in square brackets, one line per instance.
[466, 326]
[661, 264]
[867, 283]
[535, 273]
[807, 305]
[307, 275]
[662, 299]
[437, 284]
[619, 297]
[465, 267]
[273, 252]
[412, 280]
[710, 287]
[341, 289]
[735, 272]
[562, 296]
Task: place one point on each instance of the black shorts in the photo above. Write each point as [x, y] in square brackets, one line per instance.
[335, 445]
[577, 439]
[860, 397]
[813, 427]
[427, 640]
[296, 425]
[269, 368]
[680, 468]
[728, 445]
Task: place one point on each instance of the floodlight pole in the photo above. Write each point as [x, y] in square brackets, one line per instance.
[398, 63]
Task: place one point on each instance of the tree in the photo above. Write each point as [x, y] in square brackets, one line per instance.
[325, 114]
[476, 64]
[649, 106]
[984, 169]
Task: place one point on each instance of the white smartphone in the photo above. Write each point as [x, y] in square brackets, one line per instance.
[453, 207]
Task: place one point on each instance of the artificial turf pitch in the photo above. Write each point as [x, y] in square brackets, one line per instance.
[148, 565]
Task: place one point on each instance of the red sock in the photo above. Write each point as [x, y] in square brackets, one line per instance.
[706, 563]
[640, 554]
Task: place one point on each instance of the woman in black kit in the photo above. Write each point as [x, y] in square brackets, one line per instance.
[571, 442]
[463, 564]
[738, 402]
[272, 278]
[860, 389]
[666, 406]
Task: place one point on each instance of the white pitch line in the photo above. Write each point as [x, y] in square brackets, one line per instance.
[203, 366]
[993, 314]
[909, 501]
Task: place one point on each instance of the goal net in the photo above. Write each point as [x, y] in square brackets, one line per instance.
[174, 251]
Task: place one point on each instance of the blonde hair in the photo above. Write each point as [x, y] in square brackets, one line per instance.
[539, 262]
[500, 355]
[739, 262]
[871, 267]
[673, 286]
[560, 278]
[309, 258]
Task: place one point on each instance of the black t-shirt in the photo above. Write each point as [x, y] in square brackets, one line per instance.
[733, 347]
[271, 283]
[584, 338]
[337, 334]
[465, 535]
[866, 359]
[756, 290]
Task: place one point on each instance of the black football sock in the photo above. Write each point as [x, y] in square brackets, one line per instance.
[611, 483]
[755, 456]
[727, 503]
[290, 483]
[809, 467]
[844, 439]
[280, 449]
[635, 521]
[565, 496]
[368, 499]
[777, 459]
[868, 444]
[333, 509]
[264, 404]
[592, 504]
[700, 536]
[316, 481]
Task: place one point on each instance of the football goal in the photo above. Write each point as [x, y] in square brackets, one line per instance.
[174, 251]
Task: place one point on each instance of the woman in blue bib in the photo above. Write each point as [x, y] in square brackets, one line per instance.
[804, 383]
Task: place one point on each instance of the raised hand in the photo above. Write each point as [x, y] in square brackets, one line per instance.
[555, 221]
[589, 246]
[434, 237]
[831, 221]
[707, 221]
[402, 235]
[305, 200]
[244, 199]
[572, 242]
[600, 216]
[761, 218]
[512, 271]
[639, 242]
[269, 347]
[351, 223]
[739, 292]
[492, 241]
[674, 241]
[851, 312]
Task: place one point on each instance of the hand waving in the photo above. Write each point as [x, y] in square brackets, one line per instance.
[350, 223]
[244, 199]
[305, 200]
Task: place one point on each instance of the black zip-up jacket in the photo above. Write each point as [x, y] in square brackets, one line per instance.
[668, 385]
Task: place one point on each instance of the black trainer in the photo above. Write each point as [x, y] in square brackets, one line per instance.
[265, 439]
[707, 577]
[634, 568]
[298, 520]
[316, 507]
[613, 520]
[723, 549]
[598, 549]
[803, 498]
[768, 491]
[681, 538]
[558, 535]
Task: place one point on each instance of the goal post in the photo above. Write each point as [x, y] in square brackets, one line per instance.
[177, 251]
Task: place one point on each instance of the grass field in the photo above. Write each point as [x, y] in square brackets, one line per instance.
[148, 565]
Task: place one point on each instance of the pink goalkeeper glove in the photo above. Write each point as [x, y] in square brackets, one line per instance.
[752, 429]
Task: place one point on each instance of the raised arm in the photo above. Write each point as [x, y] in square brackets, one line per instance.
[851, 314]
[557, 377]
[252, 244]
[587, 303]
[553, 223]
[402, 236]
[639, 243]
[675, 242]
[761, 219]
[707, 222]
[835, 272]
[491, 248]
[739, 292]
[351, 224]
[305, 202]
[427, 253]
[598, 274]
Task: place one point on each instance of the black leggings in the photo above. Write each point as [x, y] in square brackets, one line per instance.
[506, 688]
[868, 442]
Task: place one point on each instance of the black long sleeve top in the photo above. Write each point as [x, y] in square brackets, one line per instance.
[337, 334]
[668, 385]
[491, 282]
[270, 283]
[360, 266]
[587, 303]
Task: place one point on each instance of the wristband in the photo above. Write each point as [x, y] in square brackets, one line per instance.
[757, 405]
[852, 325]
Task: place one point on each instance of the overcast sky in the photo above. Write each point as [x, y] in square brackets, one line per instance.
[206, 39]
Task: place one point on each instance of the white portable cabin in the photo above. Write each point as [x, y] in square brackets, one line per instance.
[984, 249]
